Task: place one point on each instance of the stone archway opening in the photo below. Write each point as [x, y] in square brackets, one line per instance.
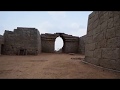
[59, 43]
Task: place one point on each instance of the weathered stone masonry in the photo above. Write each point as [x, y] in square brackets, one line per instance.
[1, 43]
[28, 41]
[47, 42]
[81, 48]
[103, 39]
[22, 41]
[71, 43]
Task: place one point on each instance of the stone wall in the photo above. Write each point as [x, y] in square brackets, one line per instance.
[21, 40]
[70, 42]
[103, 39]
[29, 41]
[38, 42]
[47, 42]
[1, 43]
[81, 47]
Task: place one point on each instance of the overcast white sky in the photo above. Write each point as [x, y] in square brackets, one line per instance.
[69, 22]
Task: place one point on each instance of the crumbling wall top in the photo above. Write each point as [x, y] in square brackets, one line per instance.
[25, 28]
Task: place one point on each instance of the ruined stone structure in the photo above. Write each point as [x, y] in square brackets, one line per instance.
[1, 43]
[22, 41]
[71, 43]
[28, 41]
[81, 48]
[103, 39]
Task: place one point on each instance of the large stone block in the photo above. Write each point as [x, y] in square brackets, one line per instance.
[113, 42]
[47, 46]
[110, 14]
[110, 33]
[95, 24]
[116, 13]
[110, 22]
[117, 31]
[97, 30]
[106, 15]
[88, 59]
[90, 20]
[116, 20]
[92, 60]
[71, 47]
[97, 53]
[102, 18]
[90, 46]
[98, 37]
[90, 27]
[88, 53]
[101, 44]
[111, 53]
[96, 16]
[104, 26]
[90, 33]
[89, 39]
[110, 63]
[100, 13]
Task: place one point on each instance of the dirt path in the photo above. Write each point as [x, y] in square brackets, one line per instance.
[51, 66]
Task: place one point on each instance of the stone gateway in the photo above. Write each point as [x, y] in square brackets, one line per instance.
[28, 41]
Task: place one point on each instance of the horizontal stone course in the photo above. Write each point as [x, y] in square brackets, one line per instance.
[113, 42]
[92, 60]
[111, 53]
[110, 63]
[110, 33]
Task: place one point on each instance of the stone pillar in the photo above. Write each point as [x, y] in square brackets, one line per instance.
[47, 42]
[47, 45]
[71, 44]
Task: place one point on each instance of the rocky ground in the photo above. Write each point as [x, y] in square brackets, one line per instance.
[51, 66]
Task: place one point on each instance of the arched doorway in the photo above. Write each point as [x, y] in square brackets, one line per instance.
[59, 43]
